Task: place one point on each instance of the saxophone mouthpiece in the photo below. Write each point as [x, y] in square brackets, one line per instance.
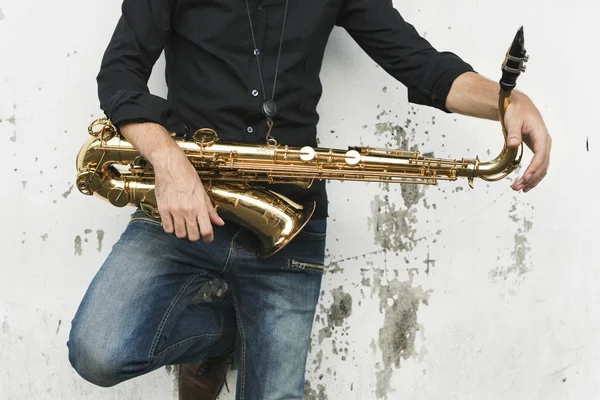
[514, 63]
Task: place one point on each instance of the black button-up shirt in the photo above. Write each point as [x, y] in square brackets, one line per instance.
[212, 75]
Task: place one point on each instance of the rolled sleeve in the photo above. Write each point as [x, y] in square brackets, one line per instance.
[137, 42]
[394, 44]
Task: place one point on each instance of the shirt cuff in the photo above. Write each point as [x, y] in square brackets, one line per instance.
[447, 70]
[130, 106]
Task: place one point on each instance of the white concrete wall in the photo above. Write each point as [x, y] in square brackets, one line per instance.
[507, 309]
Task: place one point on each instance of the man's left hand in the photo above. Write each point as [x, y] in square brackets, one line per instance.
[524, 123]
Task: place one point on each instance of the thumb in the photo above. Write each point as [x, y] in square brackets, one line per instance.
[513, 128]
[212, 212]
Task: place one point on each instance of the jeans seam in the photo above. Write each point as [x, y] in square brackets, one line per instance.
[168, 313]
[226, 264]
[240, 329]
[185, 341]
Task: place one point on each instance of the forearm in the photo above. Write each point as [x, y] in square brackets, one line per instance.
[153, 142]
[473, 95]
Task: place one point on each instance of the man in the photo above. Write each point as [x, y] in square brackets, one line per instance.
[249, 70]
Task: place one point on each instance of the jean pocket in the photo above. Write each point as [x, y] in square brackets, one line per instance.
[315, 229]
[140, 216]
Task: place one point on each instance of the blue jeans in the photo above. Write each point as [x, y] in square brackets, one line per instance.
[138, 315]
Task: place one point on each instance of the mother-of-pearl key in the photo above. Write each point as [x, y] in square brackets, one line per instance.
[307, 153]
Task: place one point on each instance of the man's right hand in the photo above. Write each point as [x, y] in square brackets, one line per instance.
[185, 208]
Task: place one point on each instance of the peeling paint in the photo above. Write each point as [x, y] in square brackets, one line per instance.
[314, 394]
[44, 237]
[392, 224]
[68, 192]
[318, 360]
[392, 227]
[399, 301]
[397, 133]
[520, 263]
[78, 249]
[340, 309]
[170, 369]
[100, 236]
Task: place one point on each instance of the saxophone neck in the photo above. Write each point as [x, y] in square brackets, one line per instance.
[512, 67]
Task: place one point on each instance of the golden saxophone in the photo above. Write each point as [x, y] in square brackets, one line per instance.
[109, 167]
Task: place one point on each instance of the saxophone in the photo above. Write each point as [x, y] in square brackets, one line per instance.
[109, 167]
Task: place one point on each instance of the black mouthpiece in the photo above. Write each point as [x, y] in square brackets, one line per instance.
[514, 63]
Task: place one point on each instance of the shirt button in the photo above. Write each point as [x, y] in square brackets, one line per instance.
[259, 7]
[250, 129]
[256, 52]
[255, 93]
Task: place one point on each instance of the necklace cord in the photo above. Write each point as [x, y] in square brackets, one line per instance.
[279, 52]
[270, 139]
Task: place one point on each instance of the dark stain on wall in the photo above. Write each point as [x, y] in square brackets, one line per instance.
[311, 393]
[392, 224]
[336, 314]
[520, 264]
[78, 248]
[399, 301]
[100, 236]
[68, 192]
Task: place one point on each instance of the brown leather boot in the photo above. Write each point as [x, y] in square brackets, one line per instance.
[203, 381]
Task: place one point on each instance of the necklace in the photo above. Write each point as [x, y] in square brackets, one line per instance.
[268, 107]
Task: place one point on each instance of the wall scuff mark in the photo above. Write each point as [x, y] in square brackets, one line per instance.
[5, 326]
[1, 17]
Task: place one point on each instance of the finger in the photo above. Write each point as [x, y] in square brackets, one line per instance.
[535, 170]
[180, 230]
[542, 171]
[205, 226]
[193, 233]
[166, 220]
[212, 213]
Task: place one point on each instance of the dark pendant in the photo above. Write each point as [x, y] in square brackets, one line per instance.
[269, 108]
